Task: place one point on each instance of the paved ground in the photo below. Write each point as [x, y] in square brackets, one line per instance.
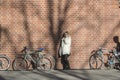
[61, 75]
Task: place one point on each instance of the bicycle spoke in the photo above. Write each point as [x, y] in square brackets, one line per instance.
[99, 62]
[44, 64]
[19, 64]
[93, 62]
[4, 63]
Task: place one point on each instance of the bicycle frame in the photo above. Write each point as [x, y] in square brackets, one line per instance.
[28, 56]
[115, 53]
[100, 53]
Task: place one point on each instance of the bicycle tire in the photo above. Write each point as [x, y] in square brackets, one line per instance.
[20, 63]
[111, 62]
[93, 62]
[51, 58]
[7, 62]
[44, 64]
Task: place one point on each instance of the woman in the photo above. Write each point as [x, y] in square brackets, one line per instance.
[64, 50]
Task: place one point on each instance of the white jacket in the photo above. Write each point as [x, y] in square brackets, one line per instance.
[65, 46]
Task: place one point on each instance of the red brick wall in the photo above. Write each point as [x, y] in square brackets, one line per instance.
[40, 23]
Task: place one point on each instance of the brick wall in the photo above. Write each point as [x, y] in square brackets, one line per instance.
[40, 23]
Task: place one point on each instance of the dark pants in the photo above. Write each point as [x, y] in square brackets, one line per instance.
[65, 62]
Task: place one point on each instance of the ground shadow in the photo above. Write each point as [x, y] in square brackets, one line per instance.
[2, 78]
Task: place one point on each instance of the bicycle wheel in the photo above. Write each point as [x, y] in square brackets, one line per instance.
[52, 60]
[99, 61]
[44, 64]
[20, 63]
[111, 62]
[4, 62]
[93, 62]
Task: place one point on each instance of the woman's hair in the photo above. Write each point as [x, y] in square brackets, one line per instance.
[66, 32]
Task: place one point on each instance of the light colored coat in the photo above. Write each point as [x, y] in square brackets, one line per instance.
[65, 46]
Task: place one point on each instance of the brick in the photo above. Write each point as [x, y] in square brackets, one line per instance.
[37, 23]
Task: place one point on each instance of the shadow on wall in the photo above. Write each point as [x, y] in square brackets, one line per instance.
[114, 30]
[7, 35]
[61, 19]
[26, 27]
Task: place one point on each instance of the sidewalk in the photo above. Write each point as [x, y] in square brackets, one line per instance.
[61, 75]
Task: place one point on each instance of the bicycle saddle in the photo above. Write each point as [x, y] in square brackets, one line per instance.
[40, 49]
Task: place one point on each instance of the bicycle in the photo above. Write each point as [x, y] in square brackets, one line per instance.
[36, 57]
[4, 62]
[96, 60]
[116, 58]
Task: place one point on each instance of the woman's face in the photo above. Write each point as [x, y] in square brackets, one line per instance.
[66, 34]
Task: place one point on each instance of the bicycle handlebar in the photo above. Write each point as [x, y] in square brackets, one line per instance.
[110, 51]
[100, 48]
[105, 49]
[26, 49]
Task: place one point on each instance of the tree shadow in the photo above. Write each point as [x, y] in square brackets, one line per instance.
[7, 34]
[56, 36]
[23, 10]
[111, 34]
[26, 23]
[61, 21]
[48, 75]
[75, 74]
